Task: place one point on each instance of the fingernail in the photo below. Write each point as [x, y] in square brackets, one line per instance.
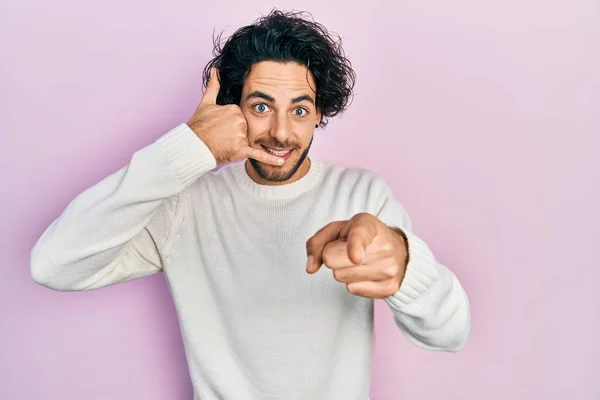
[309, 263]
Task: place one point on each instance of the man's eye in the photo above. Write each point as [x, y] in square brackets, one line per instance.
[300, 112]
[261, 108]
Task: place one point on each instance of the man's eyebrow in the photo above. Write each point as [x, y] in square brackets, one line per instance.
[260, 95]
[304, 97]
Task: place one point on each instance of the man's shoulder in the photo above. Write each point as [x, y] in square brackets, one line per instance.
[221, 177]
[348, 175]
[362, 188]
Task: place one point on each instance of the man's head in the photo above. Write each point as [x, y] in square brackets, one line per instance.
[288, 76]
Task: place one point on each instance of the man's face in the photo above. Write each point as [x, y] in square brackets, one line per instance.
[278, 102]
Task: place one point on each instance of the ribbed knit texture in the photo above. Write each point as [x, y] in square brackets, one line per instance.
[255, 325]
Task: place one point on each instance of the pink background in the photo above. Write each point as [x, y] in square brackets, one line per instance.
[482, 115]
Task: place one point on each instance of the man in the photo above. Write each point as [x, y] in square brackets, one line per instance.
[273, 262]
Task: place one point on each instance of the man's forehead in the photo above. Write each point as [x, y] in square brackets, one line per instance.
[280, 79]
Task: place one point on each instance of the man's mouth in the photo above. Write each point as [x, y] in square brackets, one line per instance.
[283, 153]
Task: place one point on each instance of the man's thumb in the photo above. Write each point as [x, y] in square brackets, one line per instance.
[212, 88]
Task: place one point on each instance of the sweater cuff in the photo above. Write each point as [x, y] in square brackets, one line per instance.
[186, 154]
[421, 273]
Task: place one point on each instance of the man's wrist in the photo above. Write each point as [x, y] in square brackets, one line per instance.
[402, 237]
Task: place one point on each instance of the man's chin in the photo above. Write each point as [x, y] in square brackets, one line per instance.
[273, 173]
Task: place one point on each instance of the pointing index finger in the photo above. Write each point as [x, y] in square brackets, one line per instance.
[316, 244]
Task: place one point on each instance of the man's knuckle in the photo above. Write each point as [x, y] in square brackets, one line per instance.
[327, 257]
[386, 246]
[390, 271]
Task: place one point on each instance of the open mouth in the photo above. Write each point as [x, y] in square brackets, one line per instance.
[283, 153]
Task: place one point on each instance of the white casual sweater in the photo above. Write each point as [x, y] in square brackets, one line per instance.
[255, 325]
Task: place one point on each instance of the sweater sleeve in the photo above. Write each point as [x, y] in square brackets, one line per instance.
[122, 227]
[430, 308]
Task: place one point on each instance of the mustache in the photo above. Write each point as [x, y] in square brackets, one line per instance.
[276, 144]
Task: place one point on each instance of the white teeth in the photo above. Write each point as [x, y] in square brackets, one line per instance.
[277, 153]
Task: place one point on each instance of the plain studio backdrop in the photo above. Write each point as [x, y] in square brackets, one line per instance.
[483, 116]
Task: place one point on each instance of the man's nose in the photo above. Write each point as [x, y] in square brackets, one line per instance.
[280, 128]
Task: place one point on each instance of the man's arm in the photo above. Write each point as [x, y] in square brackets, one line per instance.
[377, 256]
[431, 308]
[121, 228]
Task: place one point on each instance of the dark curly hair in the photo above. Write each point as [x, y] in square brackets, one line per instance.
[285, 36]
